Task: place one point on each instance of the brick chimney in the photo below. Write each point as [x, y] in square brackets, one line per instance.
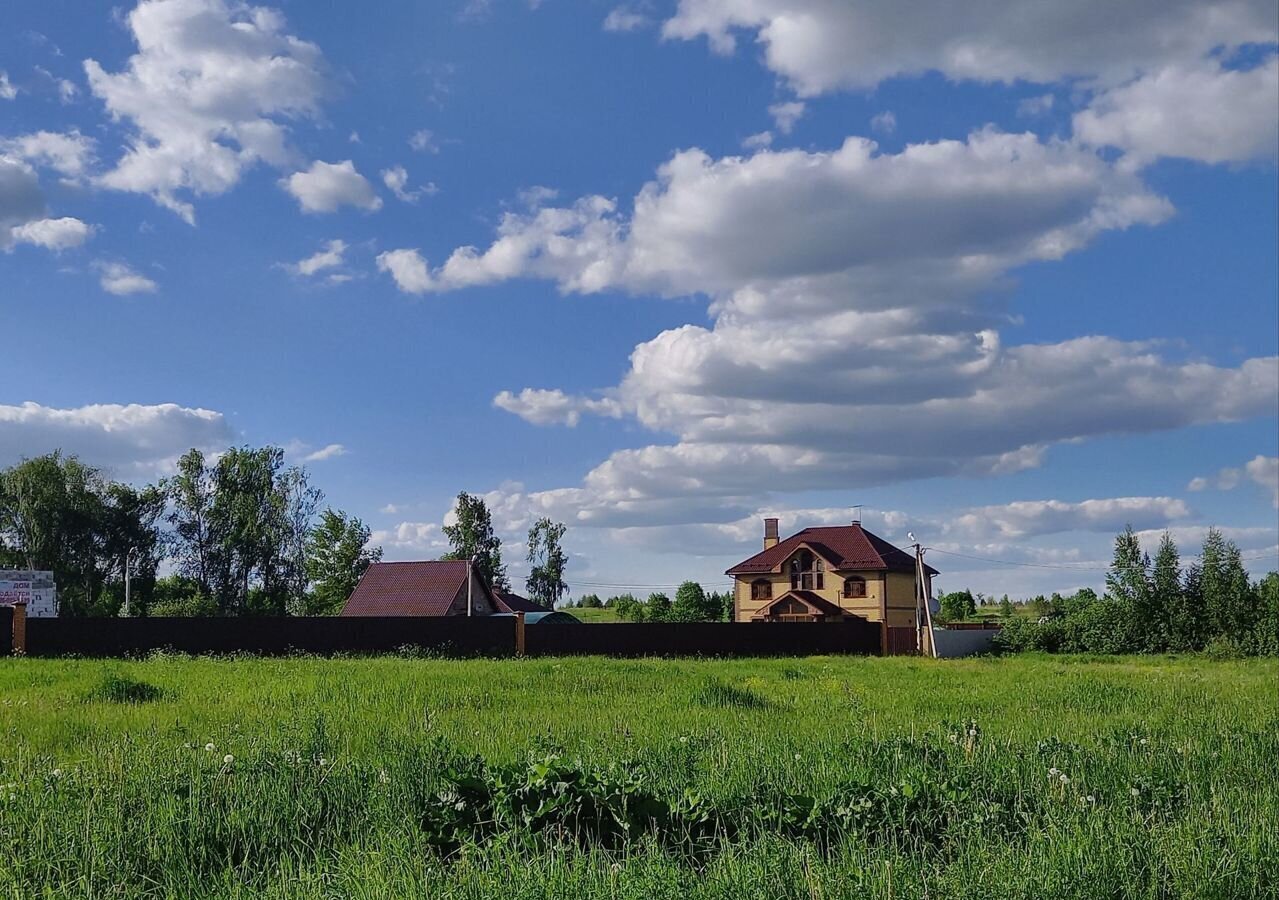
[770, 533]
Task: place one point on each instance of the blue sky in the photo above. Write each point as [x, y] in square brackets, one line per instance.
[1009, 281]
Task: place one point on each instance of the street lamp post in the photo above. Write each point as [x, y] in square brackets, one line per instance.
[128, 560]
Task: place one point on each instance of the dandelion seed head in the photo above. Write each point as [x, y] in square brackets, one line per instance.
[209, 747]
[228, 759]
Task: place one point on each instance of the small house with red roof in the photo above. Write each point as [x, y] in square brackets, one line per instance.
[427, 588]
[826, 574]
[511, 602]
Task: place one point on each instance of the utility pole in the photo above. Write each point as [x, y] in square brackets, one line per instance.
[470, 603]
[921, 600]
[128, 559]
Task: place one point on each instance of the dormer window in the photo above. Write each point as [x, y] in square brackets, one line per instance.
[806, 572]
[761, 589]
[854, 587]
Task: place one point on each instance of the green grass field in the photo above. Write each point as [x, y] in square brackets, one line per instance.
[822, 777]
[592, 616]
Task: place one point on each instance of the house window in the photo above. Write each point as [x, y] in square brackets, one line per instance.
[807, 572]
[762, 589]
[854, 587]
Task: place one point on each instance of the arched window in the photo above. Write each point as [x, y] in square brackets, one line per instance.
[761, 589]
[806, 572]
[855, 586]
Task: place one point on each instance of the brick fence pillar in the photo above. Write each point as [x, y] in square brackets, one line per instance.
[19, 629]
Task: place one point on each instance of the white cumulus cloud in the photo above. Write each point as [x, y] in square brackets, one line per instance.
[554, 407]
[1261, 470]
[396, 180]
[1199, 111]
[329, 451]
[128, 438]
[786, 114]
[332, 256]
[407, 268]
[53, 234]
[207, 95]
[624, 18]
[823, 45]
[325, 187]
[120, 279]
[69, 153]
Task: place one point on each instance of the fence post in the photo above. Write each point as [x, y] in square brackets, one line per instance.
[20, 629]
[519, 634]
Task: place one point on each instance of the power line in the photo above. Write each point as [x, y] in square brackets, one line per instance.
[633, 584]
[1080, 567]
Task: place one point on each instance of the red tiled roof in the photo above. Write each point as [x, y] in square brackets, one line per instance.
[509, 602]
[407, 589]
[813, 600]
[842, 546]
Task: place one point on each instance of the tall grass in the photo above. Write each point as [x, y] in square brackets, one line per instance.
[825, 777]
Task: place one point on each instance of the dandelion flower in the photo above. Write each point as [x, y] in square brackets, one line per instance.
[228, 759]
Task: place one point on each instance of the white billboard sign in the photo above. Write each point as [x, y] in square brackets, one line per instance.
[34, 588]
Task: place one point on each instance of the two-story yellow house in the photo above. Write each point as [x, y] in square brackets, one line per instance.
[827, 573]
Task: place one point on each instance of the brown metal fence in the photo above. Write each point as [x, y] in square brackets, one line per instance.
[451, 636]
[705, 639]
[459, 636]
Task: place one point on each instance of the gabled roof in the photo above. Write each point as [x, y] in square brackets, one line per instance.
[408, 589]
[506, 601]
[814, 601]
[844, 547]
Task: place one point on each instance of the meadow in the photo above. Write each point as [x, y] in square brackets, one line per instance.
[822, 777]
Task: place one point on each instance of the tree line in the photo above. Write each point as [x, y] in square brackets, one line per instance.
[242, 534]
[1149, 606]
[692, 603]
